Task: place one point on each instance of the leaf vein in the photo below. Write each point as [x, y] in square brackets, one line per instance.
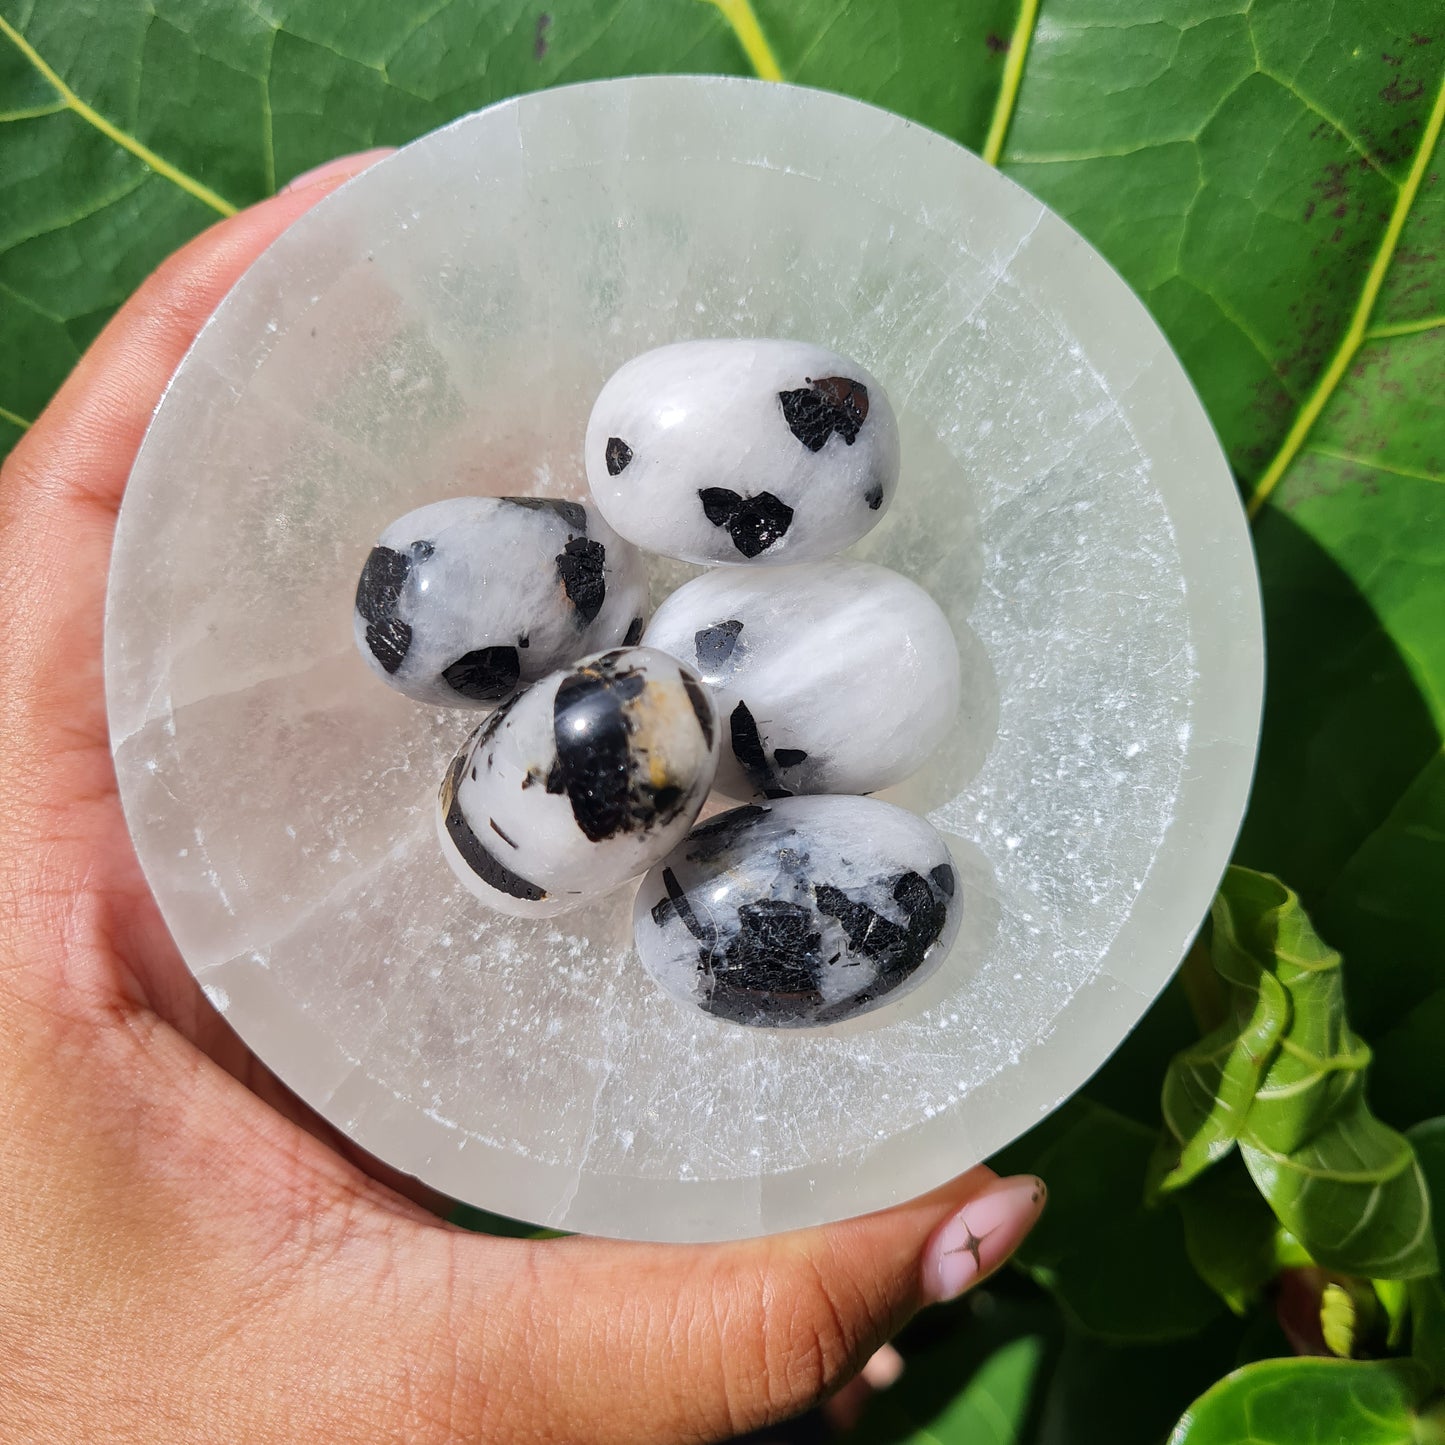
[34, 305]
[742, 20]
[111, 131]
[1338, 126]
[1377, 463]
[34, 112]
[1405, 328]
[1359, 322]
[268, 140]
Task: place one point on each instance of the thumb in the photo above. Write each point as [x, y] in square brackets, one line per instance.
[666, 1343]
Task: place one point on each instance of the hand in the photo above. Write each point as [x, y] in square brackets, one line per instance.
[186, 1253]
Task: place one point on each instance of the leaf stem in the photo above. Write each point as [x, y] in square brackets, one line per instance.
[1360, 321]
[14, 418]
[1013, 74]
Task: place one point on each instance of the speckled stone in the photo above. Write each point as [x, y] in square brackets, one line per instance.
[830, 677]
[461, 601]
[804, 912]
[742, 451]
[580, 783]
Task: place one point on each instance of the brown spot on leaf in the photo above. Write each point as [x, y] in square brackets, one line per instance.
[539, 40]
[997, 45]
[1401, 93]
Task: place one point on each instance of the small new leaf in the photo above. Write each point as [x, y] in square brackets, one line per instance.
[1284, 1079]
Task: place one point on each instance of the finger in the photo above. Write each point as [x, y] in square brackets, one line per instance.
[642, 1343]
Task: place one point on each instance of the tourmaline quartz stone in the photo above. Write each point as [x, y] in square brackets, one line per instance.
[798, 913]
[742, 451]
[463, 600]
[830, 677]
[579, 783]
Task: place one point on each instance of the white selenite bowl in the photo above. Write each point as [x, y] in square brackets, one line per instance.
[439, 326]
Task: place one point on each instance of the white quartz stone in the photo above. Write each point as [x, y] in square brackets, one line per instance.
[742, 450]
[461, 599]
[579, 783]
[442, 324]
[799, 913]
[830, 677]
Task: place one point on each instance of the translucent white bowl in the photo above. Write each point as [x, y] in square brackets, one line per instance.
[440, 325]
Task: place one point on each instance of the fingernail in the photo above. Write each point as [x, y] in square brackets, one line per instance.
[341, 165]
[976, 1240]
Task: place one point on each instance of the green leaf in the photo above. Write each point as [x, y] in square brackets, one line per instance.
[482, 1221]
[1231, 1234]
[1118, 1269]
[1289, 1076]
[1309, 1401]
[1303, 140]
[1211, 1086]
[999, 1368]
[127, 125]
[1427, 1325]
[1128, 1083]
[1427, 1296]
[1353, 1196]
[989, 1407]
[1106, 1394]
[973, 1371]
[1407, 1084]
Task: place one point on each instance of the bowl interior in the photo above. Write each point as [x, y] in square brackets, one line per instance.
[440, 326]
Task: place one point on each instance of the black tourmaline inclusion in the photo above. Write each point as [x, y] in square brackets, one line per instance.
[753, 523]
[486, 675]
[748, 749]
[377, 594]
[581, 565]
[573, 513]
[830, 404]
[477, 856]
[618, 456]
[593, 768]
[715, 644]
[769, 968]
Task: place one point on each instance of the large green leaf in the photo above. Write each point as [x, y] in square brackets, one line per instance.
[1231, 1234]
[1096, 1393]
[1288, 1081]
[1311, 1402]
[1269, 178]
[949, 1398]
[1427, 1296]
[999, 1368]
[128, 125]
[1119, 1269]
